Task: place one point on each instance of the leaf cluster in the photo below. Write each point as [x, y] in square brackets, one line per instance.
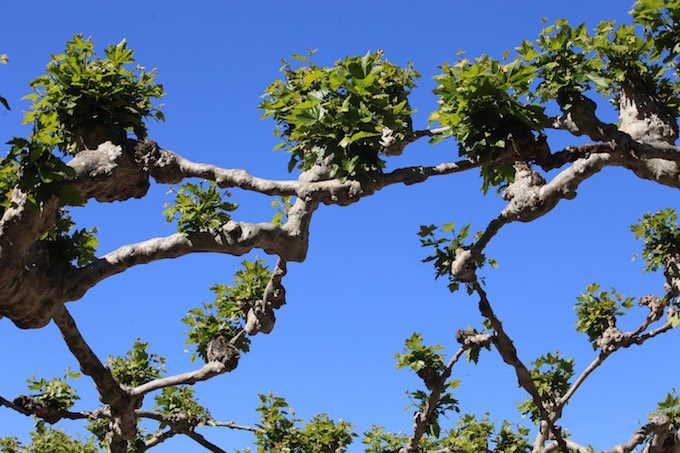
[444, 250]
[660, 234]
[48, 440]
[137, 367]
[66, 244]
[473, 434]
[483, 104]
[55, 394]
[281, 431]
[551, 374]
[226, 315]
[178, 402]
[597, 310]
[670, 407]
[377, 440]
[426, 361]
[199, 208]
[40, 173]
[563, 60]
[661, 21]
[342, 113]
[83, 96]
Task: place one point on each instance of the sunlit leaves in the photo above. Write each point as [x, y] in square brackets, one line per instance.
[48, 440]
[324, 435]
[226, 315]
[199, 208]
[84, 99]
[444, 250]
[137, 367]
[54, 394]
[660, 234]
[426, 361]
[281, 431]
[597, 310]
[564, 62]
[483, 104]
[661, 19]
[670, 406]
[69, 245]
[342, 113]
[41, 174]
[178, 402]
[8, 180]
[551, 374]
[377, 440]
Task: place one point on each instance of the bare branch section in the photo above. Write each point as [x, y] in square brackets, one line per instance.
[207, 371]
[124, 422]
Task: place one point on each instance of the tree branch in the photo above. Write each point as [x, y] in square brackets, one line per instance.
[424, 417]
[506, 349]
[207, 371]
[110, 392]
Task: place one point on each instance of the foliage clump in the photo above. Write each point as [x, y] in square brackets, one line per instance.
[351, 114]
[551, 374]
[281, 431]
[84, 99]
[445, 250]
[227, 314]
[483, 104]
[55, 394]
[597, 310]
[138, 366]
[199, 208]
[660, 234]
[179, 403]
[48, 440]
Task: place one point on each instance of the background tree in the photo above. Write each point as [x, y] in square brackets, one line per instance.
[340, 123]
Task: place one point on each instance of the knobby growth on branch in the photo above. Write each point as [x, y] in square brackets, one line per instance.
[340, 124]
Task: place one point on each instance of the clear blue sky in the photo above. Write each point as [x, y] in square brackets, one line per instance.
[362, 289]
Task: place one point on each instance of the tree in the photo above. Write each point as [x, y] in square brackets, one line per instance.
[340, 124]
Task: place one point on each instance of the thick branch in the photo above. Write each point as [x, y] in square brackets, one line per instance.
[110, 392]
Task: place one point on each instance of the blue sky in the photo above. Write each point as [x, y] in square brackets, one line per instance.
[362, 289]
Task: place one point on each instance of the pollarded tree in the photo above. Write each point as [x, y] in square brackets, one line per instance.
[340, 124]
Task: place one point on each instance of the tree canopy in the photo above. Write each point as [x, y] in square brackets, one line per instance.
[342, 124]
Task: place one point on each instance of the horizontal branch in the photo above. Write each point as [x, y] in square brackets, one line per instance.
[28, 406]
[207, 371]
[181, 428]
